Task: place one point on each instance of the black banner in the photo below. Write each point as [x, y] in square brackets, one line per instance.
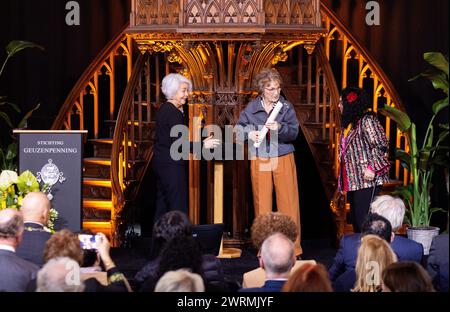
[55, 158]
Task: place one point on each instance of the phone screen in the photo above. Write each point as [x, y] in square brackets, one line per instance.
[88, 241]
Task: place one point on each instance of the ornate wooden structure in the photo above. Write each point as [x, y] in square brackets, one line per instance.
[220, 45]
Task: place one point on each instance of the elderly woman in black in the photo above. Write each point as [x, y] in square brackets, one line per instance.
[363, 147]
[171, 172]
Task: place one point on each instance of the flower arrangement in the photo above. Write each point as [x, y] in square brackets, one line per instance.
[13, 189]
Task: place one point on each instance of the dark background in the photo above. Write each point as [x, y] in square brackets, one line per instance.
[408, 29]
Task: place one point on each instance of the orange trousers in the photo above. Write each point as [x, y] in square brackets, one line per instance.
[281, 172]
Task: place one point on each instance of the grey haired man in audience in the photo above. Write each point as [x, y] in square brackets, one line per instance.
[60, 275]
[15, 273]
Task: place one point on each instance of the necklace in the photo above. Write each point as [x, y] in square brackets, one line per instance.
[32, 229]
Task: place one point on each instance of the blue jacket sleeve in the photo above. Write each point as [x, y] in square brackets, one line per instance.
[289, 126]
[241, 131]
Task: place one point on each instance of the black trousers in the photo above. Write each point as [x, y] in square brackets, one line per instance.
[171, 188]
[360, 201]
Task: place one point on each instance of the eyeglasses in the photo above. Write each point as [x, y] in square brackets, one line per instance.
[273, 89]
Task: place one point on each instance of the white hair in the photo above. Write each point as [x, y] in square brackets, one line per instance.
[277, 252]
[392, 208]
[171, 83]
[180, 281]
[60, 274]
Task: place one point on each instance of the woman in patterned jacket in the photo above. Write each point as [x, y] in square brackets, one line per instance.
[363, 147]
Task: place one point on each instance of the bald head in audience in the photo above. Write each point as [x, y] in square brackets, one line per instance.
[36, 208]
[11, 227]
[277, 256]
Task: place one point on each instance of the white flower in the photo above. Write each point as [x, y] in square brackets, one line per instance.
[49, 196]
[7, 178]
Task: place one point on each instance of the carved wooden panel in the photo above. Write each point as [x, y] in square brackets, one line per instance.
[292, 12]
[214, 12]
[156, 12]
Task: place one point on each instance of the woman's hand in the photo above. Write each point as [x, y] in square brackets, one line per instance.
[369, 175]
[272, 125]
[254, 136]
[103, 245]
[210, 142]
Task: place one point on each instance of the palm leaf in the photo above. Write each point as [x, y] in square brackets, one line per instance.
[12, 105]
[438, 60]
[23, 122]
[17, 45]
[404, 157]
[6, 118]
[401, 118]
[439, 105]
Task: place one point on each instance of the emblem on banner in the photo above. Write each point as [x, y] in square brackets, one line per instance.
[50, 174]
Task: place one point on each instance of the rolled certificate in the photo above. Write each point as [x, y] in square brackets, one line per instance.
[272, 116]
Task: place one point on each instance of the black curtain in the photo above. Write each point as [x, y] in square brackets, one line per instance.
[46, 77]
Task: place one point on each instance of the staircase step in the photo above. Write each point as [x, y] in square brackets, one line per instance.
[98, 161]
[95, 167]
[97, 182]
[98, 226]
[321, 142]
[102, 147]
[101, 141]
[97, 188]
[99, 204]
[390, 186]
[144, 123]
[327, 163]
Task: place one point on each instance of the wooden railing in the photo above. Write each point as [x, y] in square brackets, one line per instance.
[88, 83]
[329, 110]
[368, 75]
[132, 141]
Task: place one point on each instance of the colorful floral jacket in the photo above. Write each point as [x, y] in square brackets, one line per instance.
[365, 146]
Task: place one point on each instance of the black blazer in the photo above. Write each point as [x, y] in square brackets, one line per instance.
[33, 243]
[15, 273]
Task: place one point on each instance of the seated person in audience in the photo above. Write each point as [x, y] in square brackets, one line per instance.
[437, 264]
[406, 277]
[277, 259]
[53, 277]
[66, 244]
[393, 209]
[181, 280]
[171, 225]
[374, 255]
[181, 252]
[263, 226]
[15, 272]
[373, 224]
[36, 213]
[309, 277]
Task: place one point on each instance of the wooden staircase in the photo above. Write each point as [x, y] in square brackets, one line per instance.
[120, 117]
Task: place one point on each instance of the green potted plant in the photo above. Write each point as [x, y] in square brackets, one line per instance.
[423, 159]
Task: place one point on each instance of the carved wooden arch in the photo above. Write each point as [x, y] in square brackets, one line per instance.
[296, 14]
[251, 19]
[363, 74]
[198, 14]
[216, 16]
